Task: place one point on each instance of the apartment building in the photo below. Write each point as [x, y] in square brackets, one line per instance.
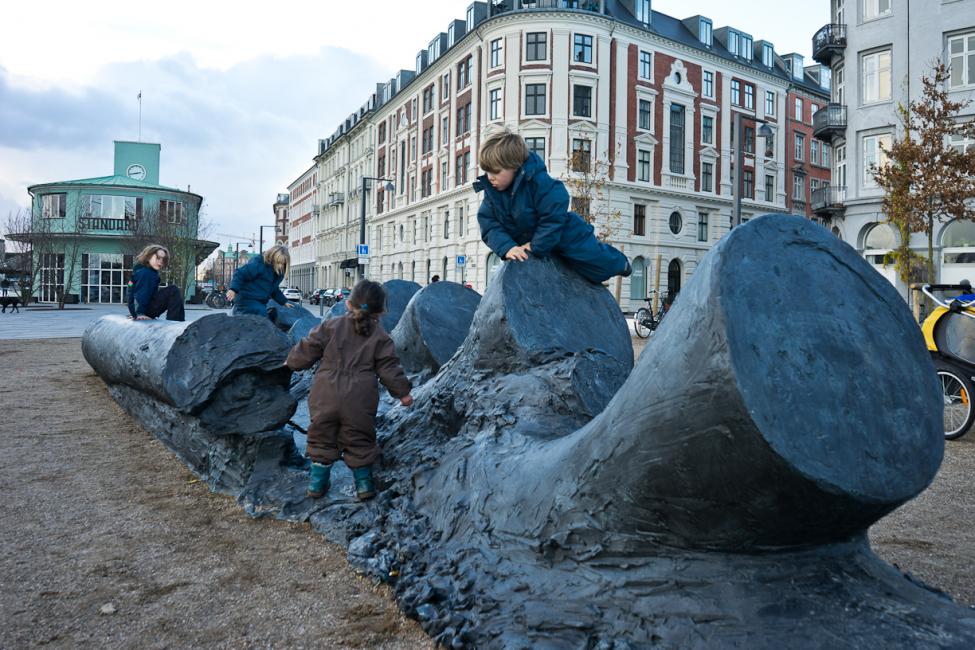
[302, 218]
[280, 209]
[647, 103]
[879, 50]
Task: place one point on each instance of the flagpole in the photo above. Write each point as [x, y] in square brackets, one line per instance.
[140, 115]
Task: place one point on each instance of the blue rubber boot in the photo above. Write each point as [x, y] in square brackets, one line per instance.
[318, 485]
[365, 487]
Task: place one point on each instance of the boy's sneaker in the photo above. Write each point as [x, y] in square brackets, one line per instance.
[628, 270]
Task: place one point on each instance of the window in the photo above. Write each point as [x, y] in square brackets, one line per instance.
[675, 223]
[639, 220]
[445, 86]
[874, 157]
[445, 129]
[443, 182]
[470, 26]
[814, 151]
[536, 145]
[770, 102]
[644, 114]
[702, 226]
[536, 46]
[704, 32]
[960, 143]
[749, 184]
[749, 138]
[582, 48]
[800, 147]
[463, 164]
[581, 155]
[494, 104]
[707, 177]
[646, 65]
[735, 92]
[875, 8]
[464, 74]
[496, 53]
[535, 99]
[708, 90]
[428, 99]
[107, 206]
[426, 188]
[798, 187]
[825, 155]
[54, 206]
[750, 97]
[733, 42]
[797, 113]
[581, 101]
[643, 166]
[643, 11]
[875, 76]
[813, 186]
[464, 119]
[446, 225]
[746, 47]
[382, 132]
[171, 210]
[427, 140]
[961, 49]
[770, 188]
[768, 55]
[676, 139]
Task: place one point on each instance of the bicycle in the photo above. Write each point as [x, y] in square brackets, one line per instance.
[644, 320]
[216, 300]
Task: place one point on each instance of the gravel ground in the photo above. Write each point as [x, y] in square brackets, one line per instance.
[108, 541]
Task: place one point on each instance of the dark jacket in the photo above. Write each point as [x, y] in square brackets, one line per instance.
[534, 208]
[143, 286]
[257, 282]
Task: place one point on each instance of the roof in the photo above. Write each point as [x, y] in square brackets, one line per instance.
[115, 181]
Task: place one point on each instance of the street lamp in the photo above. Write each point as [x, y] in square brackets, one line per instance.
[237, 254]
[764, 131]
[260, 248]
[362, 211]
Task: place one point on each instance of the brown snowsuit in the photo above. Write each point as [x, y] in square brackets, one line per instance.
[345, 394]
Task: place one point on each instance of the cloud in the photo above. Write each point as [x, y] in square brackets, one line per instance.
[236, 136]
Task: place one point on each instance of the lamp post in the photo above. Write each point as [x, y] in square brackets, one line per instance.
[237, 254]
[764, 131]
[362, 211]
[260, 248]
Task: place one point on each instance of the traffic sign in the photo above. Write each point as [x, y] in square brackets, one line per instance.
[461, 260]
[362, 250]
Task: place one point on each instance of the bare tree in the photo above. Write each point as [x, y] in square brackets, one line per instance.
[587, 181]
[175, 231]
[927, 180]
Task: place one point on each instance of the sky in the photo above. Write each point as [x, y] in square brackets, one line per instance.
[238, 98]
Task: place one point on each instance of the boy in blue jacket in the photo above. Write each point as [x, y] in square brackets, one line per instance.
[146, 299]
[526, 211]
[258, 282]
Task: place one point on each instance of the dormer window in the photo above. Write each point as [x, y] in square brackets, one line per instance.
[705, 32]
[733, 42]
[470, 18]
[643, 11]
[768, 55]
[451, 35]
[746, 47]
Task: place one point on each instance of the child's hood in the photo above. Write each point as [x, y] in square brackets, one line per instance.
[528, 170]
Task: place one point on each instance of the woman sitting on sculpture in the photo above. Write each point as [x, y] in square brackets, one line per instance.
[146, 299]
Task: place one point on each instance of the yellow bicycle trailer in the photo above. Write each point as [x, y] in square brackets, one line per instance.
[949, 332]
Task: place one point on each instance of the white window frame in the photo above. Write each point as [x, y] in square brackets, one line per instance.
[870, 93]
[871, 154]
[592, 100]
[496, 54]
[495, 98]
[649, 100]
[548, 49]
[769, 103]
[708, 116]
[966, 58]
[649, 75]
[797, 112]
[644, 162]
[768, 55]
[707, 84]
[525, 82]
[873, 9]
[705, 32]
[592, 49]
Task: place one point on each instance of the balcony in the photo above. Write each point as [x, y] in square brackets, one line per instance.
[828, 202]
[102, 223]
[829, 122]
[828, 42]
[336, 198]
[505, 6]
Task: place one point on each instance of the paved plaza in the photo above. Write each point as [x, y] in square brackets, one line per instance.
[49, 322]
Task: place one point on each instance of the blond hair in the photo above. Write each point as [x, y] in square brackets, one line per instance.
[278, 258]
[502, 149]
[146, 254]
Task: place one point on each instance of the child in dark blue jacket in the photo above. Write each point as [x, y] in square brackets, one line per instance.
[258, 282]
[146, 299]
[526, 211]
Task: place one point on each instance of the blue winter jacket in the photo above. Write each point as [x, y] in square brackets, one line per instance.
[142, 287]
[257, 282]
[534, 208]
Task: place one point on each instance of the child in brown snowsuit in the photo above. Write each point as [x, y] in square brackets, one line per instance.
[354, 350]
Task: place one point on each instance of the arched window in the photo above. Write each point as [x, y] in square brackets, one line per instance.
[446, 225]
[959, 234]
[400, 269]
[676, 223]
[673, 278]
[880, 238]
[638, 280]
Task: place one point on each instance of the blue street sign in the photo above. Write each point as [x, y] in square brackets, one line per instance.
[461, 260]
[362, 250]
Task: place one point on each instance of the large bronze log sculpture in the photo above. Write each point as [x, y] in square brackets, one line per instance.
[539, 494]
